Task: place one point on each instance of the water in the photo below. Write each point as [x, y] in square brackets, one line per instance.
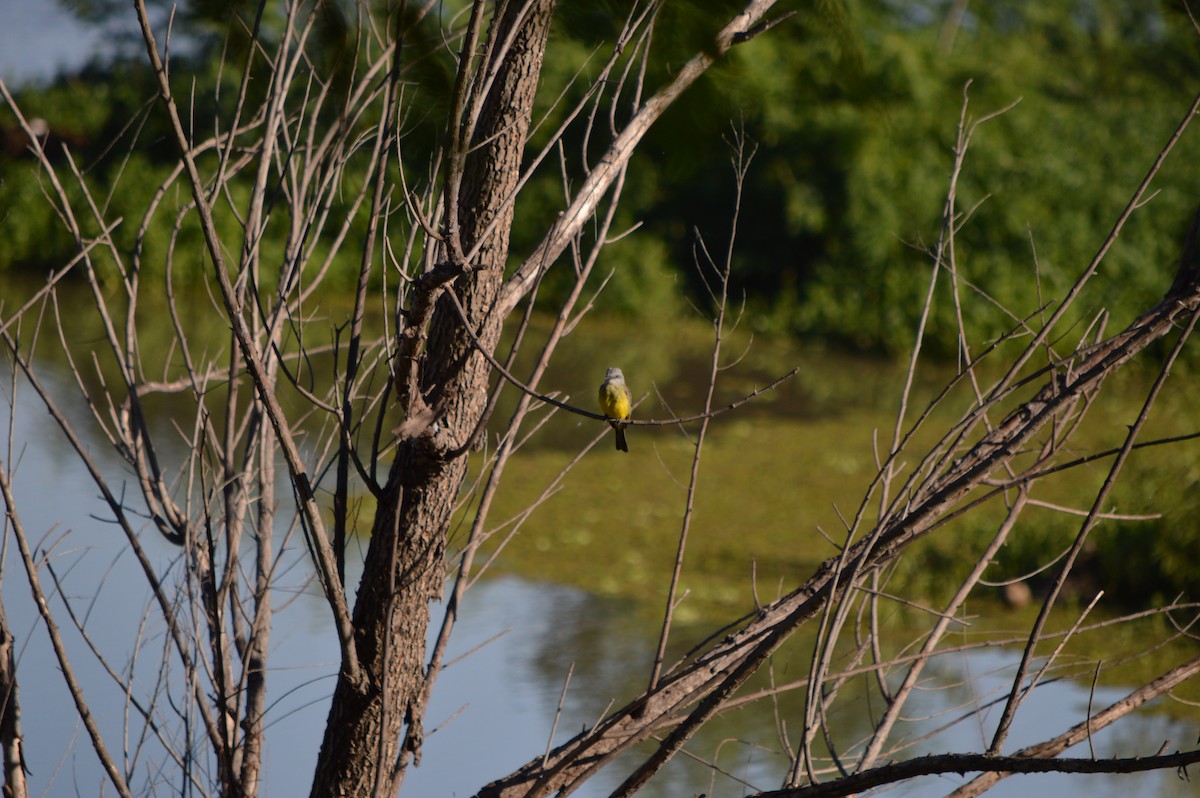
[493, 710]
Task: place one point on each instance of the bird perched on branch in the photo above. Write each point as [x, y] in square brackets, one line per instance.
[615, 401]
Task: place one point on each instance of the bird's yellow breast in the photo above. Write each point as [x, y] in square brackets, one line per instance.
[614, 401]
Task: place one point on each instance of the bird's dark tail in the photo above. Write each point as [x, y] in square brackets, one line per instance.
[621, 445]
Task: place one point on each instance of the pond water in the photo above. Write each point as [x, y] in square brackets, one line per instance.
[494, 709]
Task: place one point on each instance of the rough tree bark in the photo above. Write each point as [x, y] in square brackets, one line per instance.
[404, 565]
[10, 716]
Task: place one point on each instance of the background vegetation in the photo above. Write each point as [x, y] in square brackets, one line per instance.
[850, 104]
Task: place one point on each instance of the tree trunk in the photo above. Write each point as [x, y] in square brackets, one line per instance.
[10, 716]
[404, 567]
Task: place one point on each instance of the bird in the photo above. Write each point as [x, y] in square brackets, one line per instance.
[615, 401]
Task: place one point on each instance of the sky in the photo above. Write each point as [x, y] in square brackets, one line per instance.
[39, 39]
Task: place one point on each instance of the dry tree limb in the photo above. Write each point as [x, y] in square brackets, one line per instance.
[708, 679]
[935, 764]
[1038, 758]
[742, 155]
[298, 472]
[82, 708]
[10, 716]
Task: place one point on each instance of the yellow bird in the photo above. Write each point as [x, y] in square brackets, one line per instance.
[615, 401]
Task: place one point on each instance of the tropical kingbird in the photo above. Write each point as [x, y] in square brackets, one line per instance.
[615, 401]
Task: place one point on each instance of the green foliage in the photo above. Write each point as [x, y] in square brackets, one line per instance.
[856, 150]
[109, 120]
[1157, 558]
[1054, 172]
[853, 107]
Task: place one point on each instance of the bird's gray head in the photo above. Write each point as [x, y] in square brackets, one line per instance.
[614, 374]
